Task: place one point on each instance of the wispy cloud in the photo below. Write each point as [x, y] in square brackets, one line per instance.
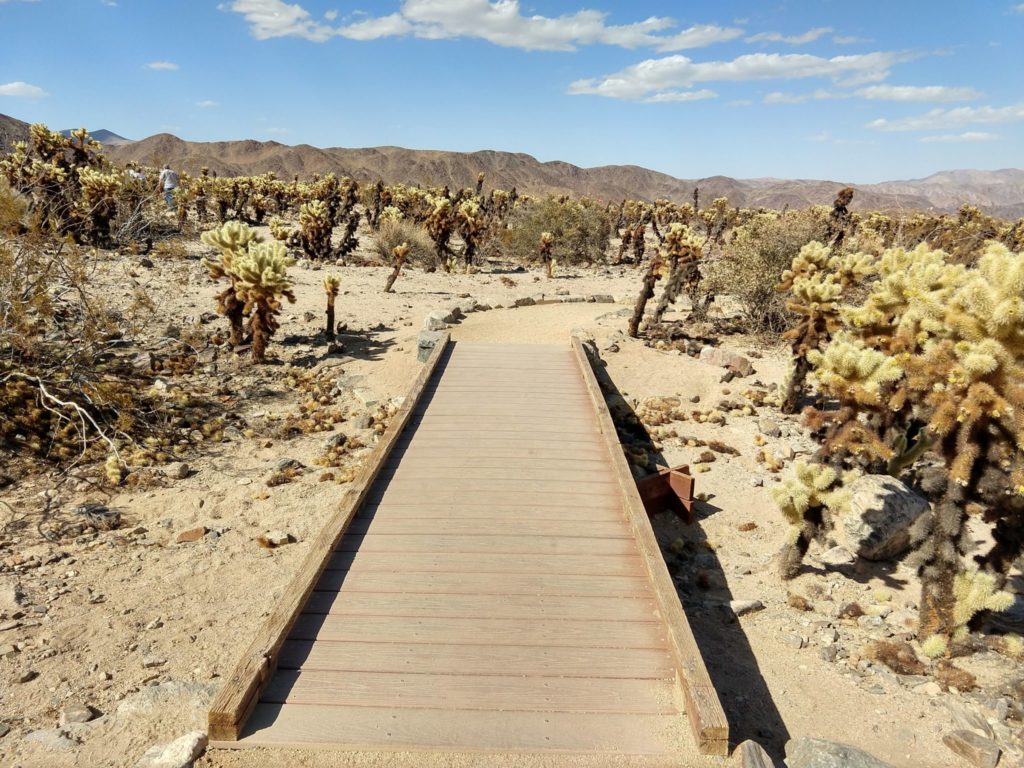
[776, 37]
[1019, 8]
[207, 103]
[18, 88]
[168, 66]
[848, 39]
[17, 1]
[676, 73]
[951, 138]
[952, 118]
[500, 22]
[935, 93]
[778, 97]
[682, 96]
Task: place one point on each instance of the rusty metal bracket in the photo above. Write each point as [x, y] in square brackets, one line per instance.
[669, 488]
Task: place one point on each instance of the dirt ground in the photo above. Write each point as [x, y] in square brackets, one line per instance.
[141, 629]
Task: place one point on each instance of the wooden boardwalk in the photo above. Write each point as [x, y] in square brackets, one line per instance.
[494, 588]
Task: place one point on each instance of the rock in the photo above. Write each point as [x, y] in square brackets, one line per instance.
[425, 344]
[76, 712]
[525, 301]
[285, 464]
[756, 481]
[436, 321]
[10, 593]
[750, 754]
[7, 650]
[4, 729]
[601, 298]
[192, 534]
[173, 693]
[54, 739]
[882, 510]
[829, 653]
[723, 358]
[836, 556]
[975, 749]
[180, 753]
[177, 471]
[363, 421]
[805, 752]
[928, 689]
[273, 539]
[27, 676]
[743, 607]
[794, 641]
[769, 427]
[152, 662]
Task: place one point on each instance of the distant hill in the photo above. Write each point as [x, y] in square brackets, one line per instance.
[103, 136]
[11, 131]
[1000, 192]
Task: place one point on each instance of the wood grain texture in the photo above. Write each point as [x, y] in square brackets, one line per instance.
[703, 708]
[240, 692]
[469, 659]
[460, 730]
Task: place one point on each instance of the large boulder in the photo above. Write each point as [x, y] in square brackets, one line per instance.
[180, 753]
[805, 752]
[425, 344]
[724, 358]
[882, 511]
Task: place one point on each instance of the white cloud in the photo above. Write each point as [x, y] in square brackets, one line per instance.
[162, 65]
[775, 37]
[958, 137]
[1018, 8]
[700, 95]
[207, 103]
[952, 118]
[23, 1]
[671, 73]
[500, 22]
[848, 39]
[18, 88]
[778, 97]
[918, 93]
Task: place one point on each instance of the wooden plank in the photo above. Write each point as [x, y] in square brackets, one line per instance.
[375, 728]
[487, 545]
[470, 692]
[524, 572]
[544, 632]
[439, 495]
[703, 708]
[344, 603]
[500, 510]
[503, 526]
[424, 470]
[240, 691]
[490, 487]
[635, 663]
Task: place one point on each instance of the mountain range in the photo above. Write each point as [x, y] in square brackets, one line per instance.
[1000, 192]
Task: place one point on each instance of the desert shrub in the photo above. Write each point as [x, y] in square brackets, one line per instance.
[752, 262]
[394, 232]
[580, 228]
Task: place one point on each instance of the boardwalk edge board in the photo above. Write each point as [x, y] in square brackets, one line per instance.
[240, 693]
[703, 708]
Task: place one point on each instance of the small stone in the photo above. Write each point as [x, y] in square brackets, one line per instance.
[827, 636]
[769, 427]
[274, 539]
[435, 321]
[870, 622]
[192, 534]
[829, 653]
[756, 481]
[743, 607]
[54, 739]
[177, 471]
[7, 651]
[76, 712]
[750, 754]
[151, 662]
[882, 511]
[928, 689]
[4, 729]
[975, 749]
[836, 556]
[180, 753]
[26, 677]
[794, 641]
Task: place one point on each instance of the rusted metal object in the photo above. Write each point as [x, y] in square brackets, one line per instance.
[669, 488]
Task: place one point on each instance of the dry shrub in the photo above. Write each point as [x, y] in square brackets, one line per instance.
[581, 230]
[896, 655]
[394, 232]
[752, 263]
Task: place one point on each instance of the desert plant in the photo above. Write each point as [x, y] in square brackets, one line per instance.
[261, 279]
[231, 239]
[315, 230]
[471, 225]
[399, 254]
[547, 240]
[681, 254]
[440, 226]
[331, 285]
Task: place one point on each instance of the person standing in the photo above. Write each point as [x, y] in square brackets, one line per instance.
[169, 183]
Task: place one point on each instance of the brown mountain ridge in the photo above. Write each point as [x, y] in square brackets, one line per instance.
[1000, 192]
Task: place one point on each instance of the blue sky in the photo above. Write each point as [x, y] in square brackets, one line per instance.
[851, 91]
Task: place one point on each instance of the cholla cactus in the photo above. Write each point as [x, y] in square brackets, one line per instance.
[98, 203]
[810, 502]
[547, 242]
[261, 278]
[399, 254]
[681, 251]
[231, 240]
[331, 285]
[471, 225]
[315, 229]
[439, 225]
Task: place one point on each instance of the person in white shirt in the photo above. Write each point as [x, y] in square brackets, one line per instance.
[169, 183]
